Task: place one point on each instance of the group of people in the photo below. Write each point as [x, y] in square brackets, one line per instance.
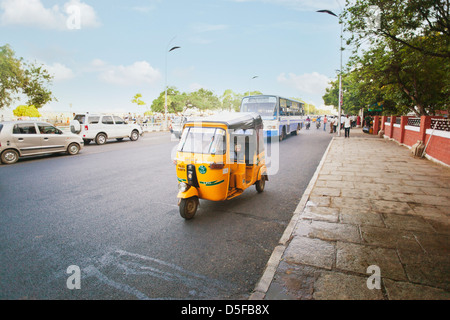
[347, 122]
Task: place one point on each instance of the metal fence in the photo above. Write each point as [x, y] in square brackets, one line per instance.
[149, 127]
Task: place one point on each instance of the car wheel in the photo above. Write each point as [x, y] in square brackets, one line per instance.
[260, 184]
[73, 149]
[134, 135]
[10, 156]
[100, 139]
[188, 207]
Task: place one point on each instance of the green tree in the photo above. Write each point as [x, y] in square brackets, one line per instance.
[354, 95]
[137, 99]
[252, 93]
[175, 101]
[18, 77]
[231, 100]
[421, 25]
[405, 61]
[203, 99]
[26, 111]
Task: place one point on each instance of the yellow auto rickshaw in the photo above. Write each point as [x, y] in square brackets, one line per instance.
[218, 157]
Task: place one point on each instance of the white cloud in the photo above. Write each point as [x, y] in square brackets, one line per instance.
[98, 63]
[33, 13]
[140, 72]
[60, 72]
[309, 83]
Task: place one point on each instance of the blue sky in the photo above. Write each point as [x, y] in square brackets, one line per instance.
[103, 52]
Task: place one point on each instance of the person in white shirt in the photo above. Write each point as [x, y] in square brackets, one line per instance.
[347, 126]
[342, 121]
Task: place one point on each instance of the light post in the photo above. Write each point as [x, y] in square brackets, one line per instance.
[340, 73]
[249, 89]
[165, 127]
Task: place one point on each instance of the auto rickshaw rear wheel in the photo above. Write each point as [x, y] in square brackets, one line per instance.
[188, 207]
[260, 184]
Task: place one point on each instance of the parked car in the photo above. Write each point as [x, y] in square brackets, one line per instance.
[28, 138]
[101, 127]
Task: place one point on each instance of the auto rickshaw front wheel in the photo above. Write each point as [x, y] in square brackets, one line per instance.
[260, 184]
[188, 207]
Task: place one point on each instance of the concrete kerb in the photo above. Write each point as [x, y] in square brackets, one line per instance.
[264, 283]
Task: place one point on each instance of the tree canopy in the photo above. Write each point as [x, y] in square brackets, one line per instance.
[26, 111]
[19, 77]
[400, 57]
[202, 99]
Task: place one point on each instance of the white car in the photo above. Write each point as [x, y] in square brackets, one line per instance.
[101, 127]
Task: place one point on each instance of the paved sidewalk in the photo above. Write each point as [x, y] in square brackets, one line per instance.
[370, 202]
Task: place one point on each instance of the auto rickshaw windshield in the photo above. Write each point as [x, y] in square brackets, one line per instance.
[203, 140]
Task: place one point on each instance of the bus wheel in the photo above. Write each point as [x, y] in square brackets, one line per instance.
[188, 207]
[283, 134]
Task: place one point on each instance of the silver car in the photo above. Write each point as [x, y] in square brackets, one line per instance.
[29, 138]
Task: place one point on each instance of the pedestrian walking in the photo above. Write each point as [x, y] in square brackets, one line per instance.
[325, 120]
[335, 124]
[347, 126]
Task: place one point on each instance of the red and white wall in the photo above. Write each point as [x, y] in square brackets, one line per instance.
[408, 130]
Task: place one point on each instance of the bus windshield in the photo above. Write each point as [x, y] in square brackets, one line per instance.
[203, 140]
[265, 106]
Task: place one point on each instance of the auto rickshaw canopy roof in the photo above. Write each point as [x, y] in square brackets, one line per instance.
[238, 120]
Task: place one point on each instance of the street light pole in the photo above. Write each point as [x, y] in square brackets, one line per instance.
[249, 89]
[165, 85]
[340, 98]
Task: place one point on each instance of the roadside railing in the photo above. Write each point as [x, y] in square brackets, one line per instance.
[151, 127]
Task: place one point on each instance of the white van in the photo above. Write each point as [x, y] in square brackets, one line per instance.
[101, 127]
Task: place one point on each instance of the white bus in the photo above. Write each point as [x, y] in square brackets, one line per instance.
[281, 116]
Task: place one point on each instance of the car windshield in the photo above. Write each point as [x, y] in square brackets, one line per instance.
[265, 106]
[203, 140]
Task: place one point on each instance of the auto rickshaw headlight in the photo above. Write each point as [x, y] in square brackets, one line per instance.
[183, 187]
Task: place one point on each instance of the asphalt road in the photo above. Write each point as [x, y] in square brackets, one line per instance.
[112, 211]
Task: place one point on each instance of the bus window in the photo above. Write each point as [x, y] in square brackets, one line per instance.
[288, 108]
[295, 110]
[282, 107]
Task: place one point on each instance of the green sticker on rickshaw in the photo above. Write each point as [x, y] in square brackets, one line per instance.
[202, 169]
